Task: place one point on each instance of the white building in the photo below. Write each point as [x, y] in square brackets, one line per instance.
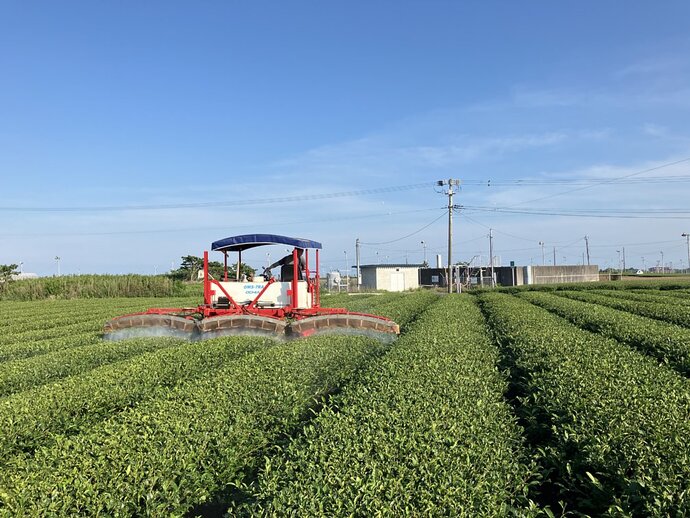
[390, 277]
[25, 275]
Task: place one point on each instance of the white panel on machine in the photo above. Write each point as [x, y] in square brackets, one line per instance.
[275, 296]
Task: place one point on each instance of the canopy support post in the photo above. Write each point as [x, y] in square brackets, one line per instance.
[239, 266]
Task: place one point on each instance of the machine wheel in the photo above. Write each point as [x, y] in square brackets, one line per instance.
[144, 325]
[228, 325]
[345, 324]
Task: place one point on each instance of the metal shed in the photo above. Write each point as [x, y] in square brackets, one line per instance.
[390, 277]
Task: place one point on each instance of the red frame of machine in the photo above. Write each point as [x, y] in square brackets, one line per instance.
[289, 311]
[252, 309]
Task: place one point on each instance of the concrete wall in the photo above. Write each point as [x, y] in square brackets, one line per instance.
[382, 277]
[556, 274]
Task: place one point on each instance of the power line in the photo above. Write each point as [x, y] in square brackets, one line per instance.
[232, 203]
[496, 230]
[224, 228]
[530, 240]
[408, 235]
[362, 192]
[635, 244]
[570, 244]
[576, 181]
[610, 180]
[591, 213]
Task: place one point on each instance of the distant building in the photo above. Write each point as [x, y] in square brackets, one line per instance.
[401, 277]
[390, 277]
[510, 275]
[433, 277]
[23, 276]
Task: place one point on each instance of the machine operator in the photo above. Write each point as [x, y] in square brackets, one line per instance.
[287, 267]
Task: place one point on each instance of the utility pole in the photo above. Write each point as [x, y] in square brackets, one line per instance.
[491, 256]
[687, 240]
[554, 256]
[359, 274]
[620, 263]
[57, 260]
[424, 246]
[587, 248]
[450, 183]
[623, 258]
[347, 272]
[644, 267]
[663, 268]
[543, 257]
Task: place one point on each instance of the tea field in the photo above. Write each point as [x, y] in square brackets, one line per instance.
[572, 401]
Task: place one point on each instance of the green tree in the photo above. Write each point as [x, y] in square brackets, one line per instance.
[191, 265]
[7, 271]
[217, 271]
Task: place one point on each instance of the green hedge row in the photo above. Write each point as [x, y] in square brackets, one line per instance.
[47, 326]
[70, 406]
[610, 424]
[33, 318]
[168, 455]
[37, 320]
[424, 432]
[674, 313]
[663, 297]
[618, 285]
[23, 374]
[28, 349]
[403, 310]
[391, 305]
[345, 300]
[667, 342]
[66, 330]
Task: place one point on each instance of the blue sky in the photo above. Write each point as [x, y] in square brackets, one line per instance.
[106, 104]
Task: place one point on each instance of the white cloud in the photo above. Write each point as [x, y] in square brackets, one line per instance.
[536, 98]
[475, 149]
[654, 130]
[379, 157]
[653, 66]
[596, 134]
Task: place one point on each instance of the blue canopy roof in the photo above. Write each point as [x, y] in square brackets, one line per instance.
[236, 243]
